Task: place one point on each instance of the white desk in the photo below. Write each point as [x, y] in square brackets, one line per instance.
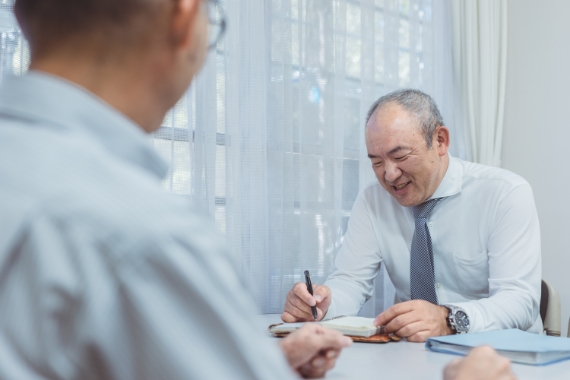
[404, 360]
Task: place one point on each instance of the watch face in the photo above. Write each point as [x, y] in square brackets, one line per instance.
[462, 321]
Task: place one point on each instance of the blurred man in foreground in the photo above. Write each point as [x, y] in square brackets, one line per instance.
[102, 274]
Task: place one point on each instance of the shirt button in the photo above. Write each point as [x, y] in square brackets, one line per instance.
[437, 285]
[430, 224]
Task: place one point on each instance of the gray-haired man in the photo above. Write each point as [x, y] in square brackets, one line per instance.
[460, 241]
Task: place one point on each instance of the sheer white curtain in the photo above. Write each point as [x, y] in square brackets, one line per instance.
[480, 56]
[270, 137]
[14, 53]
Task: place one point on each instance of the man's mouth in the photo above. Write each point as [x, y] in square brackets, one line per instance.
[401, 186]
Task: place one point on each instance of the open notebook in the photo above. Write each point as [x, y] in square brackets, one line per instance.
[351, 326]
[517, 345]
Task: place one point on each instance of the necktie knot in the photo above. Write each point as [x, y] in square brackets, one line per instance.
[423, 210]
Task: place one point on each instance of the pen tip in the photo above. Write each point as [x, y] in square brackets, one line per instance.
[307, 273]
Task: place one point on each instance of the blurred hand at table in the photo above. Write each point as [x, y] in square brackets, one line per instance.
[312, 350]
[415, 320]
[483, 363]
[299, 301]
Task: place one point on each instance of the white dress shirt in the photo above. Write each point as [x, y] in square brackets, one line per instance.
[486, 247]
[103, 275]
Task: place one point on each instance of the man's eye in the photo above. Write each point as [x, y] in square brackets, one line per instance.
[402, 158]
[378, 163]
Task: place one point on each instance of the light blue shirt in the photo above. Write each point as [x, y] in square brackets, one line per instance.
[103, 275]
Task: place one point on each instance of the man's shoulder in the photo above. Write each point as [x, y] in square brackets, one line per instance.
[73, 183]
[376, 197]
[373, 190]
[129, 209]
[490, 175]
[372, 186]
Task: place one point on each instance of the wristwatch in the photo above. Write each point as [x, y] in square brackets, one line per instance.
[457, 319]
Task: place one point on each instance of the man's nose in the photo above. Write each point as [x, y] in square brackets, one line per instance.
[392, 172]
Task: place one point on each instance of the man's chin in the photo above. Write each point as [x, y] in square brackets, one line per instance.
[407, 199]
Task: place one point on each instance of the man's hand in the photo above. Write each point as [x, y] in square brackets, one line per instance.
[415, 320]
[312, 350]
[299, 302]
[483, 363]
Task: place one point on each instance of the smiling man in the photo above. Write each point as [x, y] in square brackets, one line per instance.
[460, 241]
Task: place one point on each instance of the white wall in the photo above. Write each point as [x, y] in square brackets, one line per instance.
[537, 125]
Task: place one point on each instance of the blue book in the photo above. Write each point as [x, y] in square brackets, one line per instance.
[519, 346]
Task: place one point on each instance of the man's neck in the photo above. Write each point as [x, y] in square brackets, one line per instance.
[129, 89]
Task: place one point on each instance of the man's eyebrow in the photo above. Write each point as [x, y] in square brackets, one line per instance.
[397, 149]
[393, 151]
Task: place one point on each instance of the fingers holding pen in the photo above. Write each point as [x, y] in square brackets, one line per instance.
[294, 312]
[299, 302]
[300, 298]
[301, 292]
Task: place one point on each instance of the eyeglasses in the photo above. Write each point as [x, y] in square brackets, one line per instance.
[217, 20]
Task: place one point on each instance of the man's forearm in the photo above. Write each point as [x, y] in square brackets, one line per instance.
[504, 310]
[347, 297]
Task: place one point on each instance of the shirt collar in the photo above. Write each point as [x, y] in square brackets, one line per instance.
[452, 180]
[57, 103]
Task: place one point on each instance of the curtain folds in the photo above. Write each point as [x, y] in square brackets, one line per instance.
[269, 139]
[480, 59]
[276, 126]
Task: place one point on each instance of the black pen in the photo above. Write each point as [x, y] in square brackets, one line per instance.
[310, 289]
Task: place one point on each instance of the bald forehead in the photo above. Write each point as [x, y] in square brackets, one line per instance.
[391, 115]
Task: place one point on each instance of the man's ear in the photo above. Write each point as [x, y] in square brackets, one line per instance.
[441, 140]
[183, 19]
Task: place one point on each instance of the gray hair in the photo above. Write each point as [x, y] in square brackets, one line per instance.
[418, 104]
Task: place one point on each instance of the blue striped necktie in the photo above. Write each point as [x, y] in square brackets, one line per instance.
[422, 277]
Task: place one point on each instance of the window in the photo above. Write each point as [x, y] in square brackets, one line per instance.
[14, 52]
[269, 139]
[293, 82]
